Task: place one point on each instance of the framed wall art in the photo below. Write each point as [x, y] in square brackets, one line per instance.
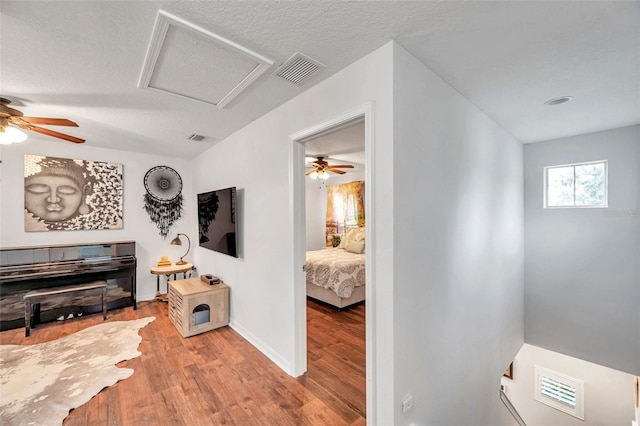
[508, 373]
[63, 194]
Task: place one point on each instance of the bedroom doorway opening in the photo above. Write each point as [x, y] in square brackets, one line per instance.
[334, 346]
[335, 223]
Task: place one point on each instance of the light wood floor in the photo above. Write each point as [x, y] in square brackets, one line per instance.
[209, 379]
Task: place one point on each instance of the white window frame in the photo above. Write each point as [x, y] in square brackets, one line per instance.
[574, 165]
[578, 385]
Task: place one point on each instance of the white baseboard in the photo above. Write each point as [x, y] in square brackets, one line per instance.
[262, 347]
[145, 297]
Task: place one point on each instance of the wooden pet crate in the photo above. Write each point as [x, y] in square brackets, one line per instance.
[196, 307]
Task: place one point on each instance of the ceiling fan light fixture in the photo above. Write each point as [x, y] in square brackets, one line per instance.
[12, 121]
[558, 101]
[321, 168]
[319, 174]
[9, 135]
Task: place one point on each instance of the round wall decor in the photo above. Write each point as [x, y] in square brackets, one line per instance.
[163, 200]
[163, 183]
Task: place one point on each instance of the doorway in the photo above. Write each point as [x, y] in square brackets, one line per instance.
[334, 204]
[297, 175]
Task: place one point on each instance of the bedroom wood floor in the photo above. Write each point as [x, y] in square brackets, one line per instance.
[209, 379]
[336, 352]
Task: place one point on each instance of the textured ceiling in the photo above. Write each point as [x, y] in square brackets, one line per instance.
[82, 60]
[511, 57]
[343, 146]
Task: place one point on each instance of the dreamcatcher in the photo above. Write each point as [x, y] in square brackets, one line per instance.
[163, 200]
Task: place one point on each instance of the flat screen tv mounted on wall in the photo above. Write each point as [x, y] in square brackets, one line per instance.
[217, 221]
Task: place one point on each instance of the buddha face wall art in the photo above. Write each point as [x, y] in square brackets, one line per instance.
[65, 194]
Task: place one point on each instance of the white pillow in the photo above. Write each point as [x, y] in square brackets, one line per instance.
[344, 241]
[356, 246]
[352, 234]
[358, 234]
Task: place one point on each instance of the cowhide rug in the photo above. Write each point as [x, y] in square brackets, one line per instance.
[40, 383]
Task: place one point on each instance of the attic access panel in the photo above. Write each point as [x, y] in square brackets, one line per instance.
[186, 60]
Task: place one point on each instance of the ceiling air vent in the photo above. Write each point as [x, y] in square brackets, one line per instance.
[298, 68]
[195, 137]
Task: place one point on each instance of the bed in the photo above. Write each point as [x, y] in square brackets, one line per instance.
[336, 276]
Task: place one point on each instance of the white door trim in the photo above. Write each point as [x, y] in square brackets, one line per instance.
[297, 211]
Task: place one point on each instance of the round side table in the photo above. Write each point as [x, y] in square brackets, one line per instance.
[167, 271]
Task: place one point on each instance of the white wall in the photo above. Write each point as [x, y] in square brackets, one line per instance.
[468, 205]
[446, 202]
[458, 258]
[582, 273]
[608, 393]
[256, 161]
[316, 206]
[137, 225]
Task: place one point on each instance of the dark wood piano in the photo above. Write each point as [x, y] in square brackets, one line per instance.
[23, 269]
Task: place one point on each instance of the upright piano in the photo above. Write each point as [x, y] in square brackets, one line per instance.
[23, 269]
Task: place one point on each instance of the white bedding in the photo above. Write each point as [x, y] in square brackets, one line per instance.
[336, 269]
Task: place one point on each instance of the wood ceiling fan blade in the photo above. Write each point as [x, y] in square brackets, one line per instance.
[6, 110]
[341, 166]
[309, 172]
[340, 172]
[50, 121]
[55, 134]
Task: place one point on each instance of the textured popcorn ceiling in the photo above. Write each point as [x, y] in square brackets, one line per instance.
[345, 146]
[82, 60]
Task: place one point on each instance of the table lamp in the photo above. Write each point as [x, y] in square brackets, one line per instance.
[177, 242]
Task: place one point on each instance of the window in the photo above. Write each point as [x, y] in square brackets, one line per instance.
[576, 185]
[345, 208]
[559, 391]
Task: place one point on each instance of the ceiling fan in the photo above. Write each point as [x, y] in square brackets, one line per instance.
[321, 168]
[11, 119]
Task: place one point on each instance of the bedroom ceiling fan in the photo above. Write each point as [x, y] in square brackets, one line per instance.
[321, 168]
[12, 120]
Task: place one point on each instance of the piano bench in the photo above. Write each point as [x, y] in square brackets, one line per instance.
[36, 296]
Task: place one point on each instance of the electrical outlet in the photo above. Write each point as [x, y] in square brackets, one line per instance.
[407, 403]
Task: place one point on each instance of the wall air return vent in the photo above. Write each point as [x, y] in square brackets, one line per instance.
[186, 60]
[298, 68]
[559, 391]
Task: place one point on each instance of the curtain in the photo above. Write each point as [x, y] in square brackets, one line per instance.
[345, 208]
